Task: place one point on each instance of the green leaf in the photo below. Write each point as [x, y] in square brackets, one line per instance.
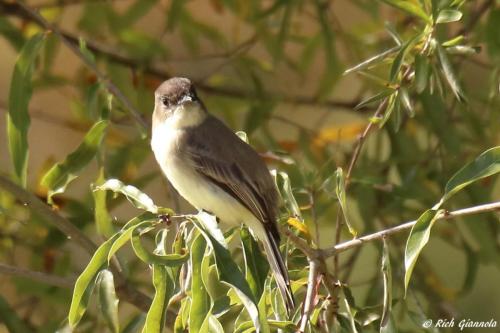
[164, 287]
[287, 194]
[404, 98]
[144, 220]
[449, 74]
[18, 119]
[61, 174]
[102, 219]
[200, 299]
[422, 71]
[418, 238]
[398, 61]
[341, 196]
[108, 302]
[448, 15]
[411, 7]
[211, 325]
[284, 326]
[85, 282]
[138, 198]
[374, 98]
[485, 165]
[230, 274]
[373, 60]
[387, 275]
[152, 258]
[11, 33]
[256, 264]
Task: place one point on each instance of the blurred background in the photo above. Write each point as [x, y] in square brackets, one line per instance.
[274, 69]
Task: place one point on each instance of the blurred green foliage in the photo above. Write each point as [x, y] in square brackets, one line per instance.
[424, 81]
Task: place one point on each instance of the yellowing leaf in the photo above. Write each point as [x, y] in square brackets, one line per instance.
[335, 134]
[300, 226]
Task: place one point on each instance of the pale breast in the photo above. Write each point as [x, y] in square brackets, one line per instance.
[192, 186]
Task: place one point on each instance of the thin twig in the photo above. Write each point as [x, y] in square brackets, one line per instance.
[72, 45]
[125, 291]
[310, 295]
[489, 207]
[44, 211]
[15, 9]
[52, 280]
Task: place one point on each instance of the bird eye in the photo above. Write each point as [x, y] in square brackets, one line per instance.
[165, 101]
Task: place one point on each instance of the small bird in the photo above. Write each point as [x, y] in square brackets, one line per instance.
[216, 171]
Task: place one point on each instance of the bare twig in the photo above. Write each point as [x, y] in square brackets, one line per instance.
[53, 280]
[310, 295]
[489, 207]
[125, 291]
[72, 45]
[15, 9]
[44, 211]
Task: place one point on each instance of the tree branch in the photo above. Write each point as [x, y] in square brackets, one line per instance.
[124, 291]
[18, 10]
[53, 280]
[44, 211]
[489, 207]
[71, 43]
[310, 295]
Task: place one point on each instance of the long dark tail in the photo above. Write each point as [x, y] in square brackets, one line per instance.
[280, 272]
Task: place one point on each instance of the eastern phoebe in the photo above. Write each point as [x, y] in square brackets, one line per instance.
[216, 171]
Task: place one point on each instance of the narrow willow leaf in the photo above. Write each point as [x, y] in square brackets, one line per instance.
[422, 71]
[398, 61]
[85, 51]
[287, 194]
[108, 302]
[485, 165]
[151, 258]
[211, 325]
[391, 103]
[404, 97]
[463, 50]
[135, 324]
[61, 174]
[373, 60]
[256, 264]
[18, 119]
[138, 198]
[284, 326]
[449, 74]
[230, 274]
[85, 282]
[243, 136]
[103, 222]
[411, 7]
[164, 287]
[374, 98]
[126, 234]
[387, 275]
[448, 15]
[200, 299]
[454, 41]
[418, 238]
[341, 196]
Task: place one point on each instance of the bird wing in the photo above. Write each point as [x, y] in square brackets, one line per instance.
[239, 170]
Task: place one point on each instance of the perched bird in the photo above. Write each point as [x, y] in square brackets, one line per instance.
[216, 171]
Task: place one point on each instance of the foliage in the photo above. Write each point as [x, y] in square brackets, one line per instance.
[366, 125]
